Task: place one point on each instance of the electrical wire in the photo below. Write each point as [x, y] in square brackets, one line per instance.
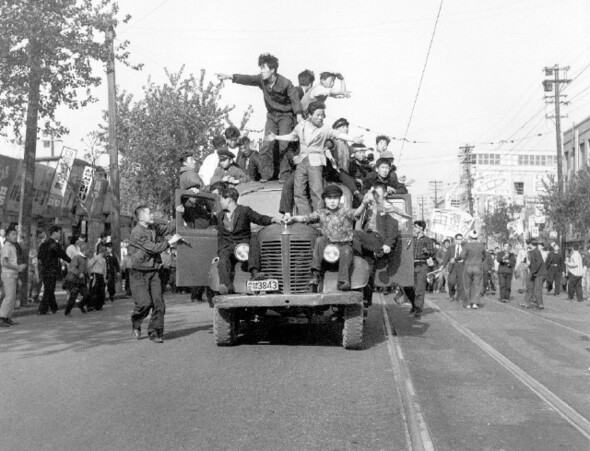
[142, 17]
[421, 79]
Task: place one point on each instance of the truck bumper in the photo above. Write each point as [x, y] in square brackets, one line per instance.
[288, 300]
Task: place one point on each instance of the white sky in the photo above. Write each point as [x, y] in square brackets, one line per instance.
[482, 83]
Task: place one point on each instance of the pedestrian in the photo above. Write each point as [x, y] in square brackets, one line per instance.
[536, 275]
[233, 228]
[34, 280]
[125, 266]
[74, 246]
[2, 237]
[488, 276]
[442, 275]
[474, 256]
[454, 266]
[282, 105]
[576, 270]
[50, 254]
[10, 271]
[506, 264]
[521, 271]
[586, 277]
[423, 253]
[555, 268]
[97, 268]
[312, 136]
[144, 252]
[113, 270]
[77, 280]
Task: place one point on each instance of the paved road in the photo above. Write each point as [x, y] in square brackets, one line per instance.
[84, 383]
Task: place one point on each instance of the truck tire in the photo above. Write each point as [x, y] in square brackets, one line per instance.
[224, 326]
[352, 333]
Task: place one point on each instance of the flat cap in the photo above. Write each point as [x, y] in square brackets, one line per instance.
[339, 123]
[332, 191]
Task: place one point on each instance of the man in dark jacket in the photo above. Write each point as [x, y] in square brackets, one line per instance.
[473, 255]
[282, 105]
[233, 227]
[248, 160]
[454, 264]
[384, 174]
[50, 253]
[537, 272]
[506, 263]
[144, 255]
[423, 252]
[555, 268]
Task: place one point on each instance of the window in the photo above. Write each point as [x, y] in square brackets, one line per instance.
[519, 188]
[46, 144]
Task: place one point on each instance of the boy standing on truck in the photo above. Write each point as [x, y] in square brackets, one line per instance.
[337, 228]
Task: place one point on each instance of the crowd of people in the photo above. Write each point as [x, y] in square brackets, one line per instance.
[535, 268]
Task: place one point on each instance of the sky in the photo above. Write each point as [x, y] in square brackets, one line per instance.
[481, 84]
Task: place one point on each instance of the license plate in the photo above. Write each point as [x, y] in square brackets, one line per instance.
[297, 320]
[263, 285]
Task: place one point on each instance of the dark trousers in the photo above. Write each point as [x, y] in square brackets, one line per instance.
[111, 289]
[455, 282]
[97, 292]
[367, 242]
[488, 281]
[575, 286]
[279, 124]
[227, 261]
[147, 295]
[554, 279]
[125, 277]
[344, 262]
[48, 300]
[473, 282]
[534, 290]
[164, 277]
[75, 290]
[505, 282]
[416, 293]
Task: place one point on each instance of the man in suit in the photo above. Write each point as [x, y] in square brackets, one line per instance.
[555, 268]
[233, 227]
[454, 264]
[537, 272]
[507, 263]
[50, 253]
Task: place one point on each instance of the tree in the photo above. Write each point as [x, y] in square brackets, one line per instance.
[495, 221]
[572, 207]
[182, 114]
[47, 49]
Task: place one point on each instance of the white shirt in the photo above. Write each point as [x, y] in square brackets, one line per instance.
[210, 163]
[72, 250]
[8, 252]
[313, 94]
[575, 265]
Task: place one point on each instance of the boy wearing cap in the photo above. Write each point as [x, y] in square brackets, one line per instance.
[359, 167]
[337, 228]
[282, 105]
[227, 171]
[423, 252]
[342, 151]
[474, 255]
[312, 136]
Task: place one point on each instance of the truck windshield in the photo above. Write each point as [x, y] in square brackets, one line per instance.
[263, 201]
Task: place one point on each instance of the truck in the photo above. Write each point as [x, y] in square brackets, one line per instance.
[283, 294]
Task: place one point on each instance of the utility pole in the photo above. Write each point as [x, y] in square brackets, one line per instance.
[435, 185]
[113, 146]
[466, 159]
[421, 202]
[554, 85]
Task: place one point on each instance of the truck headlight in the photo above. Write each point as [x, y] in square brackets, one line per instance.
[242, 251]
[331, 253]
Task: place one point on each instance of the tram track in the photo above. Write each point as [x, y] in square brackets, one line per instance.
[557, 404]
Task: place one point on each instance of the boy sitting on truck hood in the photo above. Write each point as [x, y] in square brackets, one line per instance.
[337, 226]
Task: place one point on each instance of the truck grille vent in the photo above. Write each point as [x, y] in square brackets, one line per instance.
[299, 254]
[271, 261]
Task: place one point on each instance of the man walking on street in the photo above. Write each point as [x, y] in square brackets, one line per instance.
[423, 252]
[50, 253]
[144, 253]
[555, 268]
[507, 262]
[576, 271]
[454, 264]
[537, 273]
[282, 105]
[473, 255]
[10, 270]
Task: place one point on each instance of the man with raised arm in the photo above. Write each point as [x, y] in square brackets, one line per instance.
[282, 105]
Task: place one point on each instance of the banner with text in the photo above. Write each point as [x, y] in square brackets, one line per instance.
[450, 221]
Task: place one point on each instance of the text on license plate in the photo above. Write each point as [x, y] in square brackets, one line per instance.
[263, 285]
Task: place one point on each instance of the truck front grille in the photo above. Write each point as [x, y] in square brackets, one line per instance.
[288, 260]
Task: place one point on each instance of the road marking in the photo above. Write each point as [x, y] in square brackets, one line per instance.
[560, 406]
[417, 433]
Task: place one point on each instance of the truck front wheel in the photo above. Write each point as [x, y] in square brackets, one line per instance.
[352, 333]
[225, 326]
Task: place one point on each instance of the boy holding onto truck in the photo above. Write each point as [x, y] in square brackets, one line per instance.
[336, 224]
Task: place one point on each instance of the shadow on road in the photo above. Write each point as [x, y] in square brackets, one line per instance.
[186, 332]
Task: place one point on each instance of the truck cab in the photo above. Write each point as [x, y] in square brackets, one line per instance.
[282, 292]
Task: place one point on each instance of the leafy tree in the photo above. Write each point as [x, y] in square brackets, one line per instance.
[46, 52]
[495, 221]
[182, 114]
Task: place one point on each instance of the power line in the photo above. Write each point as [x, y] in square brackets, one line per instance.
[141, 18]
[421, 78]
